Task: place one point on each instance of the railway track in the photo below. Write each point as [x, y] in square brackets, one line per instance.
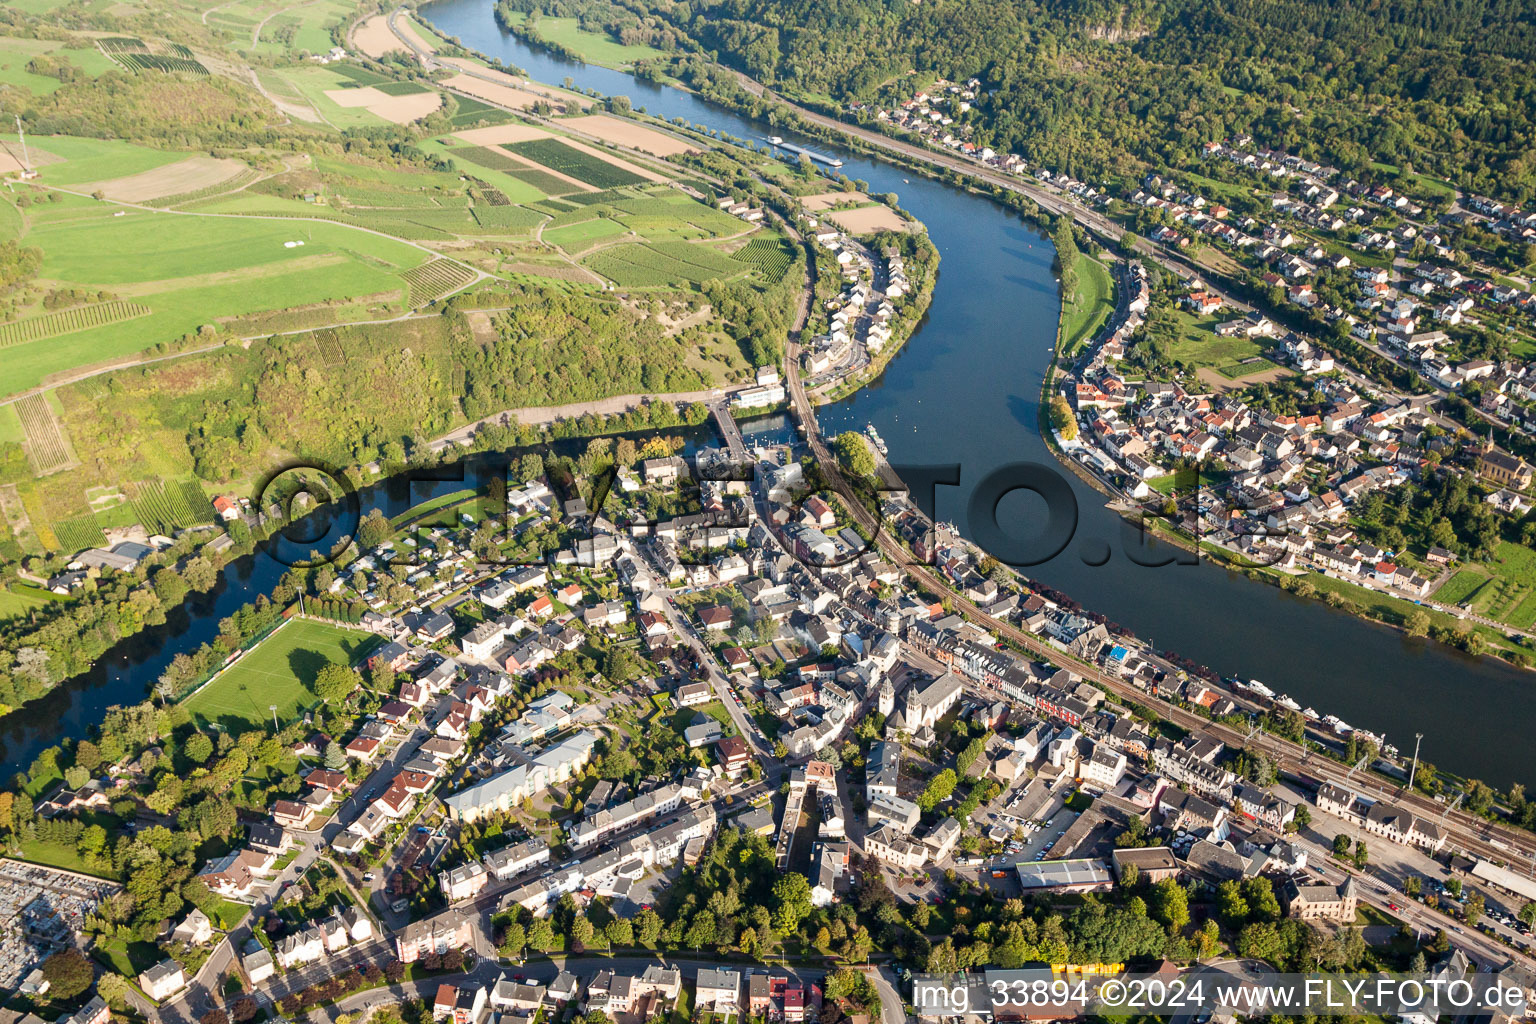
[1469, 833]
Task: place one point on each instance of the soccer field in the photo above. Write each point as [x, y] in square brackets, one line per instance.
[281, 670]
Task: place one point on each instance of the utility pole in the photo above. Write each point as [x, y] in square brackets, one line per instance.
[273, 708]
[26, 160]
[1417, 738]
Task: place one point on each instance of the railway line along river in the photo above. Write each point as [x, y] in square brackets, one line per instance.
[965, 390]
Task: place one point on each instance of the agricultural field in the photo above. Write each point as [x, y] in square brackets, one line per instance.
[200, 269]
[16, 53]
[770, 257]
[134, 54]
[578, 238]
[431, 281]
[68, 321]
[661, 264]
[195, 174]
[164, 508]
[314, 86]
[594, 47]
[70, 160]
[46, 445]
[563, 158]
[19, 600]
[864, 220]
[280, 670]
[621, 131]
[302, 28]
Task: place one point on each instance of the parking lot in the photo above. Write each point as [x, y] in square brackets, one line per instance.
[1036, 845]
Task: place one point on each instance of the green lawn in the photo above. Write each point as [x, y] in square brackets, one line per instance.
[198, 270]
[310, 25]
[92, 159]
[280, 670]
[1084, 311]
[228, 913]
[313, 82]
[128, 958]
[20, 600]
[576, 238]
[1503, 588]
[1184, 481]
[432, 505]
[1247, 368]
[1460, 586]
[594, 48]
[1198, 345]
[716, 710]
[57, 856]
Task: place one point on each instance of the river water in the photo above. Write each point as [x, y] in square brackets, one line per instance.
[965, 390]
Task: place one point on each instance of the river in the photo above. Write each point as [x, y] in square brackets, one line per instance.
[965, 390]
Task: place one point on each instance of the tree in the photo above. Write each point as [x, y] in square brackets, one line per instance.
[200, 574]
[514, 939]
[541, 936]
[69, 973]
[1230, 904]
[1340, 845]
[114, 989]
[853, 454]
[1170, 904]
[214, 1016]
[374, 528]
[1362, 856]
[792, 901]
[335, 756]
[1472, 910]
[1418, 624]
[198, 748]
[938, 790]
[1261, 941]
[334, 683]
[1062, 420]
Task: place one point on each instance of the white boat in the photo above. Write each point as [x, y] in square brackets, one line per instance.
[775, 139]
[875, 438]
[1260, 689]
[1308, 713]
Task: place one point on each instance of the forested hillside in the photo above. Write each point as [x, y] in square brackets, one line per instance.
[1093, 87]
